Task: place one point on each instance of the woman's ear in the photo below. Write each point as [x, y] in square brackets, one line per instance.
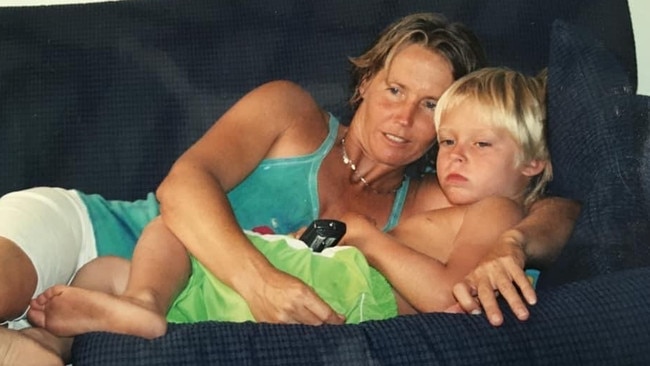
[533, 167]
[363, 86]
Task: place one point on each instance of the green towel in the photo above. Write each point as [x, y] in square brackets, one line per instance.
[340, 275]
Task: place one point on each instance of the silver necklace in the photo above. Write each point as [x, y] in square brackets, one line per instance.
[347, 161]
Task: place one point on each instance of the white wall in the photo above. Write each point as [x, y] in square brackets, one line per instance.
[641, 9]
[638, 9]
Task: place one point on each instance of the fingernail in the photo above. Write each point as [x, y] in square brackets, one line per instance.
[476, 312]
[495, 319]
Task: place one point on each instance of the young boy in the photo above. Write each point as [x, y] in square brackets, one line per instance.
[492, 164]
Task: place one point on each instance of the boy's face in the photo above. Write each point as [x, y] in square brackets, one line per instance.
[477, 159]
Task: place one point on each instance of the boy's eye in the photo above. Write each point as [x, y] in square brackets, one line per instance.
[430, 104]
[393, 90]
[446, 142]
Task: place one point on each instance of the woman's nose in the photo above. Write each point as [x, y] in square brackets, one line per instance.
[406, 114]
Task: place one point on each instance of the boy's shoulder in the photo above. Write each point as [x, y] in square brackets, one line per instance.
[491, 203]
[426, 195]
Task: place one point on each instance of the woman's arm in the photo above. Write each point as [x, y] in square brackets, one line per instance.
[271, 121]
[425, 274]
[546, 229]
[537, 240]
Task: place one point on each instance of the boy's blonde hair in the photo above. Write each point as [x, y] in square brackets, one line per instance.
[513, 101]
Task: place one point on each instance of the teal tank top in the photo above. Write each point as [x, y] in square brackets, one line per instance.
[117, 225]
[282, 194]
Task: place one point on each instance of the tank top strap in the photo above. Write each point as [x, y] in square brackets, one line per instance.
[398, 205]
[326, 146]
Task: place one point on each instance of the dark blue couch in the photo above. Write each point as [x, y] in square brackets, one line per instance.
[103, 98]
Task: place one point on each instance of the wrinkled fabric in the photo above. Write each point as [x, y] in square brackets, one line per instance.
[340, 275]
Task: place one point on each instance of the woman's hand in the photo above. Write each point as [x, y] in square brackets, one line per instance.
[285, 299]
[500, 272]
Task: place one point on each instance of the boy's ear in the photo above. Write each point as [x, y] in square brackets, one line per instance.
[533, 167]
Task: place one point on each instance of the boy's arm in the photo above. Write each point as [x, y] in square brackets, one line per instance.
[421, 279]
[536, 241]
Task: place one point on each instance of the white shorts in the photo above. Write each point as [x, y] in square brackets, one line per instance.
[52, 226]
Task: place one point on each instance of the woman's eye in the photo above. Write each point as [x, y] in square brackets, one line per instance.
[393, 90]
[483, 144]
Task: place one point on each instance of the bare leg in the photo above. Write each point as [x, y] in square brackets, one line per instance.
[27, 347]
[61, 346]
[18, 280]
[92, 303]
[159, 269]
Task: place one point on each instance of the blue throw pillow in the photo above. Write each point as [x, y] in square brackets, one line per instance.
[595, 140]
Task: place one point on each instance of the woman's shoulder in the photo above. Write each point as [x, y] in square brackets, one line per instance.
[300, 125]
[285, 93]
[288, 101]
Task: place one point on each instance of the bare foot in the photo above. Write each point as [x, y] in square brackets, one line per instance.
[16, 348]
[69, 311]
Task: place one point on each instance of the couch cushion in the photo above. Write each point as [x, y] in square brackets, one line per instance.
[595, 135]
[573, 324]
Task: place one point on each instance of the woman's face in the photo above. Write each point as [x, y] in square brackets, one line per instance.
[394, 122]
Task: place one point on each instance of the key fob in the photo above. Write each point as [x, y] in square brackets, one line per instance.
[321, 234]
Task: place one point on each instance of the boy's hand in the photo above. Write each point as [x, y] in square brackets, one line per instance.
[500, 272]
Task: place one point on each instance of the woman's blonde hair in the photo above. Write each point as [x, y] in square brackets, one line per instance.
[513, 101]
[452, 40]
